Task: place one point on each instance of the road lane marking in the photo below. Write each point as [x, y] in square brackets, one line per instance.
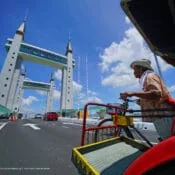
[32, 126]
[22, 168]
[3, 125]
[65, 127]
[78, 124]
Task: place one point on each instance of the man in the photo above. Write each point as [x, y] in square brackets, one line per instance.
[153, 95]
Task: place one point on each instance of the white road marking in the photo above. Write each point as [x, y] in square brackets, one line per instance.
[65, 127]
[3, 124]
[23, 168]
[65, 123]
[32, 126]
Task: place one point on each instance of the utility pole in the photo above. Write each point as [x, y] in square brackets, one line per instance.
[158, 67]
[78, 82]
[87, 78]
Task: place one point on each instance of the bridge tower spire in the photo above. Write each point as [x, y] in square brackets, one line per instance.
[11, 69]
[19, 92]
[67, 80]
[50, 94]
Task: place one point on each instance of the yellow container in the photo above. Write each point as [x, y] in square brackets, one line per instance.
[87, 114]
[80, 115]
[125, 121]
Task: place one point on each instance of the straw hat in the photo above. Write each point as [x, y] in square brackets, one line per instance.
[142, 63]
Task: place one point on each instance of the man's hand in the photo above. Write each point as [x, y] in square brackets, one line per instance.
[138, 102]
[126, 94]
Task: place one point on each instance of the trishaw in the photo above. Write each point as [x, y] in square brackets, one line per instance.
[104, 149]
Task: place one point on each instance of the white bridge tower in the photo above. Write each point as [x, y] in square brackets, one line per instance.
[19, 51]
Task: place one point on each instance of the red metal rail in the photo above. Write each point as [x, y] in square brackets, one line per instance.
[84, 128]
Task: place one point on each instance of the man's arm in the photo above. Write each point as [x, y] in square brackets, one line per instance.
[153, 89]
[151, 94]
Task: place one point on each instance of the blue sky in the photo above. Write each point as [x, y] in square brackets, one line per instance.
[99, 32]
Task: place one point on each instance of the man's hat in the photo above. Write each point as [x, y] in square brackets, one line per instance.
[142, 63]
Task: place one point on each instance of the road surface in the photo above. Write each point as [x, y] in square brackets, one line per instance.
[40, 147]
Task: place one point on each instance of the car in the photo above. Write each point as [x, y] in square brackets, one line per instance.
[51, 116]
[38, 116]
[20, 115]
[4, 116]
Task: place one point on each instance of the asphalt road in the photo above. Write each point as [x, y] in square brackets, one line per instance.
[24, 150]
[44, 148]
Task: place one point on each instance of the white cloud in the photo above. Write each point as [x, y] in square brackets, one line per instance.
[172, 88]
[119, 80]
[77, 91]
[127, 20]
[28, 101]
[56, 94]
[26, 109]
[93, 99]
[76, 87]
[121, 68]
[116, 59]
[27, 79]
[130, 48]
[23, 68]
[81, 98]
[93, 93]
[42, 93]
[163, 65]
[58, 74]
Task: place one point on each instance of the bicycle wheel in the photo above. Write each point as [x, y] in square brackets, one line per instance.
[121, 130]
[101, 133]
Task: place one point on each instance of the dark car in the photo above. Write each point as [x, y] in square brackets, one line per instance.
[4, 116]
[51, 116]
[20, 115]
